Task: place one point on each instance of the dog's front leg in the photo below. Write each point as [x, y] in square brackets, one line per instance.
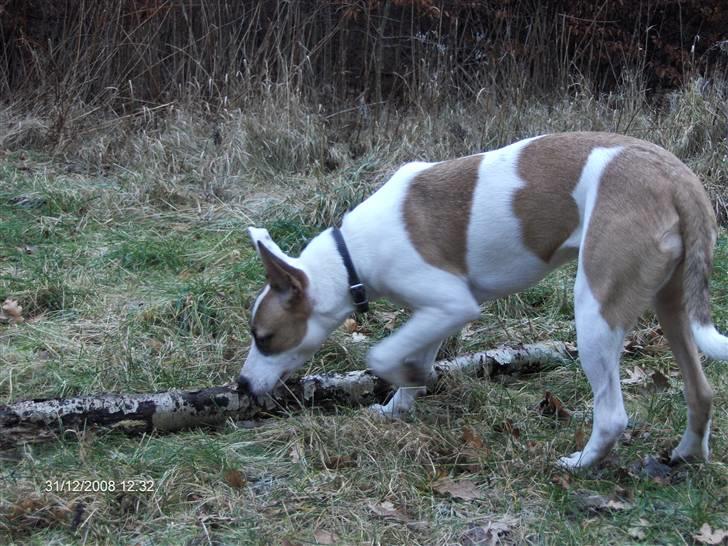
[405, 358]
[419, 370]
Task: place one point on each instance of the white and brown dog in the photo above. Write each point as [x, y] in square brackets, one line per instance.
[440, 238]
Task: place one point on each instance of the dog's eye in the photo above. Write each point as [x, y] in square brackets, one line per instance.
[262, 341]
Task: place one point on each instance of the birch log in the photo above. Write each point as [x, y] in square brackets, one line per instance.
[176, 410]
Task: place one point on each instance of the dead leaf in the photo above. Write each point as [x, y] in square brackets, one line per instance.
[235, 479]
[387, 510]
[339, 461]
[652, 468]
[551, 405]
[632, 346]
[472, 439]
[579, 438]
[325, 537]
[588, 500]
[350, 326]
[389, 318]
[636, 376]
[706, 535]
[489, 534]
[508, 427]
[562, 480]
[11, 312]
[462, 489]
[638, 531]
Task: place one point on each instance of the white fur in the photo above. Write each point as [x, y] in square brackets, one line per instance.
[692, 447]
[710, 341]
[599, 350]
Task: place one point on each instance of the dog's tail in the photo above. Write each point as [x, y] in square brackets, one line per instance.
[699, 231]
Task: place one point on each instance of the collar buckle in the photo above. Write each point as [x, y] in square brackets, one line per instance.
[356, 288]
[359, 298]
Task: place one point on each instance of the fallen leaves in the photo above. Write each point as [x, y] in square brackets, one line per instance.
[507, 427]
[650, 467]
[551, 405]
[355, 330]
[562, 480]
[322, 536]
[386, 510]
[707, 535]
[638, 531]
[389, 319]
[652, 382]
[472, 439]
[635, 376]
[350, 326]
[646, 341]
[474, 449]
[488, 534]
[594, 502]
[336, 462]
[36, 511]
[11, 312]
[461, 489]
[235, 478]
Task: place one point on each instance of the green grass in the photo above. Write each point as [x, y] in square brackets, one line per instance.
[136, 282]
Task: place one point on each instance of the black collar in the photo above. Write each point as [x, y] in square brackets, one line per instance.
[356, 288]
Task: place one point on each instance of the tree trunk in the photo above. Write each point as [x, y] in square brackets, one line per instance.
[175, 410]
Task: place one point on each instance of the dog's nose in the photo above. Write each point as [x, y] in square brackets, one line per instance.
[243, 385]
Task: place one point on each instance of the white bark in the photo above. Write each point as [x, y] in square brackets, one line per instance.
[175, 410]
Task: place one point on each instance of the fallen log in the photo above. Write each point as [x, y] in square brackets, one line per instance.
[175, 410]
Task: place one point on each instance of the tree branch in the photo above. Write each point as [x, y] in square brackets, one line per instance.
[175, 410]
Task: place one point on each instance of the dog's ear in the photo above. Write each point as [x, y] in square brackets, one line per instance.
[284, 279]
[261, 235]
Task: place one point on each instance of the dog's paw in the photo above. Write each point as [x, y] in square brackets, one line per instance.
[378, 410]
[691, 449]
[574, 461]
[384, 412]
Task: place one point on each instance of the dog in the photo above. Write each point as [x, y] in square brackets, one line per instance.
[441, 238]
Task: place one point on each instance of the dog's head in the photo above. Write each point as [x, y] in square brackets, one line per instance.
[284, 324]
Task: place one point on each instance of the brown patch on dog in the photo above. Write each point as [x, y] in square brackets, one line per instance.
[670, 307]
[551, 166]
[650, 212]
[437, 212]
[281, 318]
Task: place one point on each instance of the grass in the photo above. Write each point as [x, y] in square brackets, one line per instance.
[136, 274]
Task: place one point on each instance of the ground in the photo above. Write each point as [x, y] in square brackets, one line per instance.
[134, 278]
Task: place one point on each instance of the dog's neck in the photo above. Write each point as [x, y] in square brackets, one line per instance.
[328, 276]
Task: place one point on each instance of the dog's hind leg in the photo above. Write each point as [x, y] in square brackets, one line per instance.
[419, 367]
[600, 347]
[675, 323]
